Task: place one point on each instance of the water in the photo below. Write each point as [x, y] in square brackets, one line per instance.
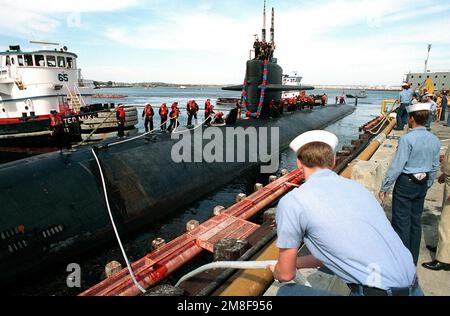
[54, 281]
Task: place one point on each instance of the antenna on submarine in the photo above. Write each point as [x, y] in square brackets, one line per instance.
[272, 29]
[264, 23]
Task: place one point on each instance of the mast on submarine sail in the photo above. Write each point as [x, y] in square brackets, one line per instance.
[264, 23]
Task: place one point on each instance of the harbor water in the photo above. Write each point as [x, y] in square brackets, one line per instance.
[53, 280]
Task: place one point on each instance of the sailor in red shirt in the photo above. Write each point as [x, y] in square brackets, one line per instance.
[121, 119]
[148, 114]
[174, 116]
[218, 118]
[163, 113]
[209, 111]
[192, 109]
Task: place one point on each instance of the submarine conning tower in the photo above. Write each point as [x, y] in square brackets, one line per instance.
[254, 79]
[264, 77]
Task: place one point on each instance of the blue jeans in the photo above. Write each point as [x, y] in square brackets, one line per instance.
[402, 116]
[407, 210]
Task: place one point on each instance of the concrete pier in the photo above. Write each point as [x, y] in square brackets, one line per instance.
[371, 174]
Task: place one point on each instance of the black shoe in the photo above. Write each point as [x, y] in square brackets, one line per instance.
[436, 266]
[432, 249]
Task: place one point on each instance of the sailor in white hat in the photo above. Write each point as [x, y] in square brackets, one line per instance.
[429, 99]
[343, 227]
[413, 172]
[406, 97]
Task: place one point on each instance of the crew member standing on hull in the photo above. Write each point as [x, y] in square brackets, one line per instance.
[174, 116]
[413, 172]
[405, 97]
[209, 111]
[57, 129]
[121, 119]
[148, 114]
[342, 225]
[192, 109]
[163, 113]
[442, 262]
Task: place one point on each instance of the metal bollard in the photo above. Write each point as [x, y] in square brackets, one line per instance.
[273, 179]
[219, 210]
[192, 225]
[258, 187]
[112, 268]
[240, 197]
[158, 243]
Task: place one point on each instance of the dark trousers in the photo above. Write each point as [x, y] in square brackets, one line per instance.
[121, 129]
[407, 210]
[190, 117]
[402, 116]
[163, 123]
[444, 113]
[208, 118]
[173, 124]
[428, 122]
[148, 121]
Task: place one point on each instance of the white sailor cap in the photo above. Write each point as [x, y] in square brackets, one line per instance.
[418, 107]
[314, 137]
[406, 84]
[431, 95]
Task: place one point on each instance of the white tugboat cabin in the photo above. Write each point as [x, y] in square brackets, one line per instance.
[35, 83]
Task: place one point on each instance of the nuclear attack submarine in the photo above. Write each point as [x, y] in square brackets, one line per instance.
[53, 206]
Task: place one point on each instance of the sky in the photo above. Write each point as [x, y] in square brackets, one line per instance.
[360, 42]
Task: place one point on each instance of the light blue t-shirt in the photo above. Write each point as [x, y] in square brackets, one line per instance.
[344, 226]
[418, 152]
[406, 96]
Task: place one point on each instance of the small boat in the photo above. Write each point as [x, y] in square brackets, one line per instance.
[110, 96]
[183, 87]
[228, 101]
[359, 95]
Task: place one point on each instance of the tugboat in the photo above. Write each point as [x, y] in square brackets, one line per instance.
[292, 80]
[35, 83]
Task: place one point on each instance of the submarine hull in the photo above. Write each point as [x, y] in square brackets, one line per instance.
[53, 205]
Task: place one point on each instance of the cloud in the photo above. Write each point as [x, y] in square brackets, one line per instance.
[39, 18]
[199, 31]
[50, 6]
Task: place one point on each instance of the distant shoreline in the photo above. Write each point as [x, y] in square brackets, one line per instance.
[346, 90]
